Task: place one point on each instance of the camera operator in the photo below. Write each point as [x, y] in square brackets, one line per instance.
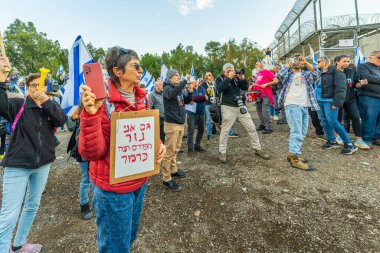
[233, 108]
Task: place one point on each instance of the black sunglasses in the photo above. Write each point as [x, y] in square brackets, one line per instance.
[138, 67]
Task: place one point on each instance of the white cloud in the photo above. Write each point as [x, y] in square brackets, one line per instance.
[186, 6]
[203, 4]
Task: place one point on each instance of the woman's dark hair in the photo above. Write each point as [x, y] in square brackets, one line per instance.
[118, 57]
[340, 57]
[31, 77]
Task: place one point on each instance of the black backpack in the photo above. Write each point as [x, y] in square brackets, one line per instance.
[216, 113]
[72, 147]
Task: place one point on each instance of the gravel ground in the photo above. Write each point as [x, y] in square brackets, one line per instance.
[246, 205]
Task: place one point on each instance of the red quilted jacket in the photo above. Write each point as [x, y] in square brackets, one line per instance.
[94, 140]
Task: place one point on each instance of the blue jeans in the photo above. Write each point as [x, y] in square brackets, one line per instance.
[274, 110]
[298, 121]
[85, 184]
[330, 122]
[15, 182]
[208, 120]
[370, 114]
[117, 218]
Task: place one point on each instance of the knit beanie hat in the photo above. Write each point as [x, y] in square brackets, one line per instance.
[171, 73]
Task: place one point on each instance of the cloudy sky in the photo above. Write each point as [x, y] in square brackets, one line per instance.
[150, 25]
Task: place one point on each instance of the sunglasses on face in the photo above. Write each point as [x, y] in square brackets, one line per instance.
[138, 66]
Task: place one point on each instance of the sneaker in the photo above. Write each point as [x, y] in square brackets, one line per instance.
[199, 148]
[267, 131]
[376, 142]
[234, 135]
[281, 122]
[275, 118]
[339, 140]
[208, 137]
[361, 144]
[349, 149]
[85, 212]
[28, 248]
[172, 185]
[223, 157]
[330, 145]
[179, 174]
[263, 154]
[260, 128]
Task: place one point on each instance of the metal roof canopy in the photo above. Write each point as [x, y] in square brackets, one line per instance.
[292, 16]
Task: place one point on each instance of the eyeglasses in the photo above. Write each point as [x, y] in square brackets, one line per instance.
[35, 85]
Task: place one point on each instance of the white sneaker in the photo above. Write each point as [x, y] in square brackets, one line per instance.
[275, 118]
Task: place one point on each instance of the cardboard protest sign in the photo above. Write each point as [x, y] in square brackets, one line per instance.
[135, 141]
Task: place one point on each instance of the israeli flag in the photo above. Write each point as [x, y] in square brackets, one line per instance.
[192, 70]
[182, 77]
[313, 56]
[60, 70]
[359, 57]
[20, 91]
[147, 80]
[164, 69]
[78, 56]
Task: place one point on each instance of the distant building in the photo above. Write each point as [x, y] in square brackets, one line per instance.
[330, 27]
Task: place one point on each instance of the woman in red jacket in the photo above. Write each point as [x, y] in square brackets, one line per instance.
[119, 206]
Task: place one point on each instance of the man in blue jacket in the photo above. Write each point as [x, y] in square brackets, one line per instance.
[369, 98]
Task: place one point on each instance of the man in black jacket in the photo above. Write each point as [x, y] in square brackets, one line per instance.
[174, 105]
[233, 109]
[369, 98]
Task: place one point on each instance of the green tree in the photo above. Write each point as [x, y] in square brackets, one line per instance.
[28, 50]
[98, 54]
[153, 63]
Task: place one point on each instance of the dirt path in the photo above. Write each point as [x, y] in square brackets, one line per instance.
[246, 205]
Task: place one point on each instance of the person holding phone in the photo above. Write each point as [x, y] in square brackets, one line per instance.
[28, 159]
[331, 90]
[119, 206]
[350, 105]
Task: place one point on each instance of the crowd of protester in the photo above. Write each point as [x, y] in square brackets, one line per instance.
[334, 94]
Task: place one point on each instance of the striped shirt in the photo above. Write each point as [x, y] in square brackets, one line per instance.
[130, 97]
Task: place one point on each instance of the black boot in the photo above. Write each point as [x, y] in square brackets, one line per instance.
[86, 212]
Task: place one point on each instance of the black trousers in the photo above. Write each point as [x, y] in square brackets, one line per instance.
[352, 111]
[316, 122]
[162, 132]
[2, 147]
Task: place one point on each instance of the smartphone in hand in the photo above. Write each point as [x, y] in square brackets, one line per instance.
[93, 77]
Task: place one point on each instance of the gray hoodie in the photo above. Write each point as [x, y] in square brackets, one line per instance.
[156, 101]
